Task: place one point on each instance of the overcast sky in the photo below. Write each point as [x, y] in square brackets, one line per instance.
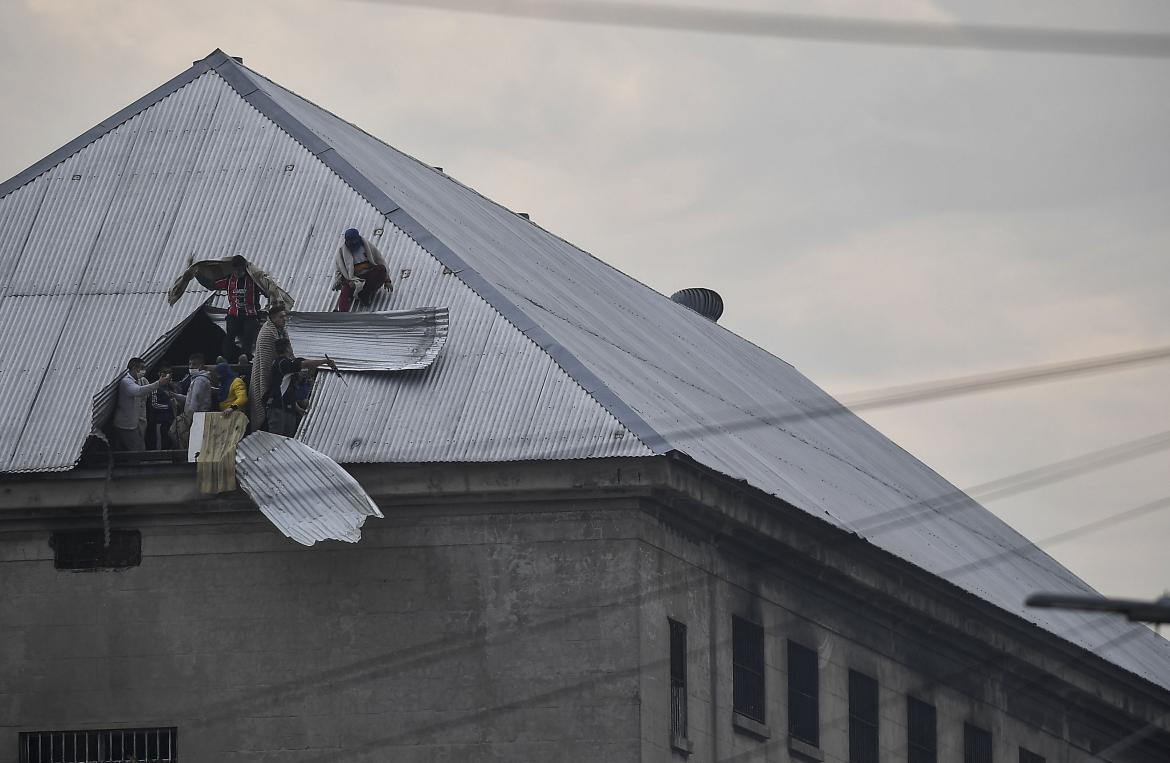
[874, 216]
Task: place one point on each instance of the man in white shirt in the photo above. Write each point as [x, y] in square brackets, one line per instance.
[130, 412]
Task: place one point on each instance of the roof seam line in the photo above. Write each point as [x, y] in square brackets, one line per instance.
[232, 73]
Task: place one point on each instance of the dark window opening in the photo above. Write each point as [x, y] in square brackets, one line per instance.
[803, 699]
[94, 746]
[921, 732]
[747, 677]
[1027, 756]
[863, 718]
[976, 744]
[201, 334]
[678, 680]
[87, 549]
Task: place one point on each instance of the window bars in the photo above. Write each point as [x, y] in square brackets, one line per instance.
[863, 718]
[803, 694]
[157, 745]
[747, 676]
[678, 680]
[921, 732]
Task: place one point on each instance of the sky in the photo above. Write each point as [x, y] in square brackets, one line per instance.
[873, 215]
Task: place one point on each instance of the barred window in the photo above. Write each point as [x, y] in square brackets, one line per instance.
[747, 662]
[678, 680]
[921, 732]
[99, 746]
[803, 695]
[976, 744]
[1027, 756]
[863, 718]
[87, 549]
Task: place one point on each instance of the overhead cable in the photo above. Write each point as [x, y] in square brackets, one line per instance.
[752, 23]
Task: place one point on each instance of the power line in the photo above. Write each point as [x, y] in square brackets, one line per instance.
[1012, 484]
[751, 23]
[888, 397]
[1066, 535]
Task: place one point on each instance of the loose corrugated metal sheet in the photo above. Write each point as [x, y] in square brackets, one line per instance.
[684, 383]
[399, 340]
[304, 493]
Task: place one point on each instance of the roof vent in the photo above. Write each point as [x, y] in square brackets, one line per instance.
[705, 302]
[525, 215]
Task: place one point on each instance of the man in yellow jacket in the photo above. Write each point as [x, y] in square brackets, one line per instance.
[233, 389]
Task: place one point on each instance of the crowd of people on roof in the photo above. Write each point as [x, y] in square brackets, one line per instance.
[268, 382]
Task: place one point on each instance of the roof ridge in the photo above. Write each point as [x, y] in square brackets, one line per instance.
[490, 200]
[241, 79]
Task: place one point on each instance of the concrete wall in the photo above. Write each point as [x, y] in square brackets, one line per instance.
[477, 635]
[519, 630]
[703, 584]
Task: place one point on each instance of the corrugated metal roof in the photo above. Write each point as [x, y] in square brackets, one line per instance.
[198, 174]
[398, 340]
[304, 493]
[551, 353]
[681, 380]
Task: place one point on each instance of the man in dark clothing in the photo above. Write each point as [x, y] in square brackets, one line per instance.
[160, 412]
[243, 316]
[281, 406]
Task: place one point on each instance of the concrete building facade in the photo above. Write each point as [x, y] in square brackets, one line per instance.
[612, 530]
[517, 612]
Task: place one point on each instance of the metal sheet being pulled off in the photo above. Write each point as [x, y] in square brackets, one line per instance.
[396, 340]
[306, 494]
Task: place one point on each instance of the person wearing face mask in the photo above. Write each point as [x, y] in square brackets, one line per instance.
[359, 271]
[195, 399]
[130, 414]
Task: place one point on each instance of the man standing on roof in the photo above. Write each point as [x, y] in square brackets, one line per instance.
[283, 413]
[360, 269]
[130, 414]
[243, 316]
[270, 333]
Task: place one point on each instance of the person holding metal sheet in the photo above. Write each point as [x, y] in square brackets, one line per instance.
[360, 270]
[243, 315]
[283, 415]
[130, 413]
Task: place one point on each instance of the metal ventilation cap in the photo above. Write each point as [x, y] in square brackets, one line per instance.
[705, 302]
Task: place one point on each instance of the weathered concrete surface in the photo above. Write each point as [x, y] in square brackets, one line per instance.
[490, 636]
[513, 612]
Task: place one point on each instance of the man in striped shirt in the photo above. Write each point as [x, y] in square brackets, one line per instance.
[243, 316]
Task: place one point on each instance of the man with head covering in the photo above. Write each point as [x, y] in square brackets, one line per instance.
[234, 389]
[359, 270]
